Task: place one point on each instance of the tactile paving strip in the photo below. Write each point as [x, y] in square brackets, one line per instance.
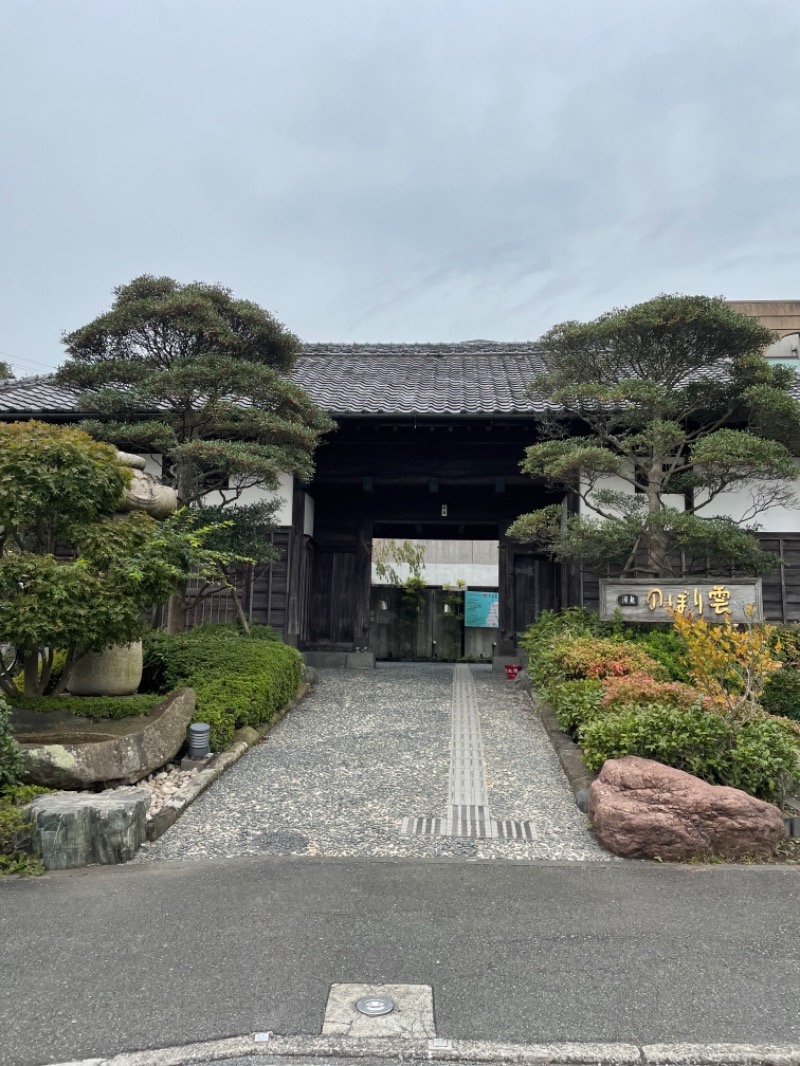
[468, 812]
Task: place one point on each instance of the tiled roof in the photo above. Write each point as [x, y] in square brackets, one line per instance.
[473, 378]
[39, 394]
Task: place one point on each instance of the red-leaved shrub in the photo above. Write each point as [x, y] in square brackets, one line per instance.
[640, 689]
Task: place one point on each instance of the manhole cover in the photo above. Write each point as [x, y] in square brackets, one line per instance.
[375, 1005]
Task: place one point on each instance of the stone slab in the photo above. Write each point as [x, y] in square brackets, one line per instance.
[103, 759]
[360, 660]
[412, 1017]
[75, 829]
[325, 660]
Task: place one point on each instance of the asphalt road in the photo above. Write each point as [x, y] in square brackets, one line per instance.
[110, 959]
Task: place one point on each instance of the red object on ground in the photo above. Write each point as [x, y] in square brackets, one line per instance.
[512, 669]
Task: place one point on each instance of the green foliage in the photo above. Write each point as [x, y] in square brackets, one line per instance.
[93, 706]
[123, 567]
[388, 554]
[575, 703]
[16, 842]
[628, 696]
[54, 481]
[666, 647]
[689, 740]
[58, 485]
[238, 680]
[598, 657]
[673, 396]
[782, 692]
[761, 757]
[6, 373]
[10, 754]
[214, 368]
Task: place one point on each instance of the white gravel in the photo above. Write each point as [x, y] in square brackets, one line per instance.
[363, 750]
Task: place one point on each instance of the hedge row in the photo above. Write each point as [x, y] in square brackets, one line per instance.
[619, 691]
[238, 680]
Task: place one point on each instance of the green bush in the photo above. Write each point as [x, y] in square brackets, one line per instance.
[666, 647]
[238, 680]
[760, 757]
[764, 759]
[575, 703]
[10, 753]
[16, 843]
[782, 693]
[93, 706]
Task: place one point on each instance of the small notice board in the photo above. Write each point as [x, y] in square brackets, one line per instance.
[482, 610]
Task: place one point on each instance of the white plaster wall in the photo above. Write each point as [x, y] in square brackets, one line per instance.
[736, 505]
[618, 484]
[285, 491]
[153, 464]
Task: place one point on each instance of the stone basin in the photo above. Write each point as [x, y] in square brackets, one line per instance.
[60, 750]
[29, 739]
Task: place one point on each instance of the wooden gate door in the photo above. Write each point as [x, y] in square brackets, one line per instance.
[536, 589]
[331, 615]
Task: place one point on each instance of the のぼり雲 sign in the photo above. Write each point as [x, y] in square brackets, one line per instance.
[715, 600]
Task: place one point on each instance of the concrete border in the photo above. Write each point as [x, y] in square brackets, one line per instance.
[244, 739]
[569, 753]
[287, 1049]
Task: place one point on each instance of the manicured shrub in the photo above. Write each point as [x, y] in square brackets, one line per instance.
[782, 693]
[761, 757]
[641, 689]
[666, 647]
[600, 657]
[575, 702]
[238, 680]
[764, 758]
[94, 706]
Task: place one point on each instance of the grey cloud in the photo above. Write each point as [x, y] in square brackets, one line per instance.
[395, 169]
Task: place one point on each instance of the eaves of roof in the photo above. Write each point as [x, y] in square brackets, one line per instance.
[476, 379]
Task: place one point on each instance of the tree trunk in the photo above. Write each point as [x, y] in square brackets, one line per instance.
[237, 603]
[177, 607]
[176, 611]
[30, 667]
[654, 540]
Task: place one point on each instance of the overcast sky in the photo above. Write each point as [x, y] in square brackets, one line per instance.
[396, 170]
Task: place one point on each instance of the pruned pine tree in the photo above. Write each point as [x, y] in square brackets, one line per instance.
[191, 372]
[674, 400]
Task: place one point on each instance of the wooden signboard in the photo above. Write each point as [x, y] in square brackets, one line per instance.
[650, 601]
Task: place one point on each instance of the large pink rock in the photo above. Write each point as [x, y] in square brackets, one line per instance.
[641, 809]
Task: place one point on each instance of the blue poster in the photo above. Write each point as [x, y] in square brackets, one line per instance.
[482, 610]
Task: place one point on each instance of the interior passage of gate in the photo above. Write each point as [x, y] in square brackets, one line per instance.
[406, 760]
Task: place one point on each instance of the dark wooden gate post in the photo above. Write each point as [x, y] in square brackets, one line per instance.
[363, 585]
[506, 637]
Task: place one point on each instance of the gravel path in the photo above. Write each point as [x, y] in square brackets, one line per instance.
[363, 750]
